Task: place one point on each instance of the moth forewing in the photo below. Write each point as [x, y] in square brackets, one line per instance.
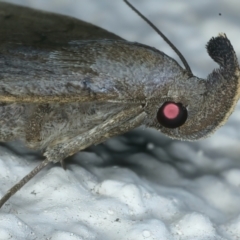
[27, 38]
[48, 58]
[86, 71]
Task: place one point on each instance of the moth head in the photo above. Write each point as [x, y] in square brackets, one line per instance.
[196, 107]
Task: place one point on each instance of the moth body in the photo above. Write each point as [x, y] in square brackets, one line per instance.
[87, 83]
[66, 85]
[60, 94]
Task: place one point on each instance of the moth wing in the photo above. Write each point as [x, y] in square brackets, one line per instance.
[44, 32]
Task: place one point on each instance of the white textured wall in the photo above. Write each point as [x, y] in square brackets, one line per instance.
[141, 185]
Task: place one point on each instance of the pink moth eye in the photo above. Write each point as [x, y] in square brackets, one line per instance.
[172, 115]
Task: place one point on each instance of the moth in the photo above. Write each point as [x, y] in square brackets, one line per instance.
[66, 84]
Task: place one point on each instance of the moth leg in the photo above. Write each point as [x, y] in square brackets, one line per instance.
[23, 181]
[122, 128]
[125, 127]
[63, 164]
[118, 124]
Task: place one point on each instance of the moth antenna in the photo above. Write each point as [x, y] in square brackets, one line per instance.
[23, 181]
[184, 61]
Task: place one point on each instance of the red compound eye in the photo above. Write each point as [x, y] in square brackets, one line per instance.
[172, 115]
